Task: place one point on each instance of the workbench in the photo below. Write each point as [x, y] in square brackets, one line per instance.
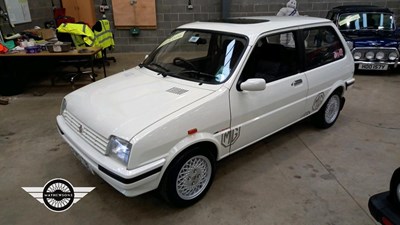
[15, 64]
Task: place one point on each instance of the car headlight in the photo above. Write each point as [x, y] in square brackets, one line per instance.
[380, 55]
[119, 149]
[357, 55]
[392, 55]
[63, 106]
[369, 55]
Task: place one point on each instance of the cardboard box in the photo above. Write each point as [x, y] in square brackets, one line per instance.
[46, 34]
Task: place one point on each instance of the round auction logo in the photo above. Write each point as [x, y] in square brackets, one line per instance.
[58, 195]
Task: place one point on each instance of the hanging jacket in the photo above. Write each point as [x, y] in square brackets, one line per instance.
[103, 36]
[78, 29]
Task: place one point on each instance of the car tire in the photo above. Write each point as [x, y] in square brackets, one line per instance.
[394, 193]
[329, 112]
[195, 166]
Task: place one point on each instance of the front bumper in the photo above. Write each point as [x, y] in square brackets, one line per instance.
[129, 182]
[383, 210]
[390, 63]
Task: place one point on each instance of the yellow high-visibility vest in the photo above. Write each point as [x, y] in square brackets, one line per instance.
[78, 29]
[104, 37]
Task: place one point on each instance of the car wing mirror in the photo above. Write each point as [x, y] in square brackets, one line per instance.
[253, 84]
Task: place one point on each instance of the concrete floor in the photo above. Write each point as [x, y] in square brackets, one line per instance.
[301, 175]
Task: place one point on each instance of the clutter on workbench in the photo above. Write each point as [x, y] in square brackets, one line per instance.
[33, 49]
[45, 34]
[58, 47]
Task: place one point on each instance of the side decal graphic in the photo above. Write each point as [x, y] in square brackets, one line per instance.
[230, 137]
[318, 101]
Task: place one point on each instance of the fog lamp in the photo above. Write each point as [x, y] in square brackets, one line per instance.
[380, 55]
[393, 56]
[357, 55]
[370, 55]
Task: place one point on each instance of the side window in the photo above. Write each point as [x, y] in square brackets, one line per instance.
[322, 46]
[274, 57]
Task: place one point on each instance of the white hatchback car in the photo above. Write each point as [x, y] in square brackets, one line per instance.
[209, 90]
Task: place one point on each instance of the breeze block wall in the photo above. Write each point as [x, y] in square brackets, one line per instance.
[41, 11]
[172, 13]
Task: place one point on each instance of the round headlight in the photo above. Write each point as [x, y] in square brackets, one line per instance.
[357, 55]
[369, 55]
[393, 56]
[380, 55]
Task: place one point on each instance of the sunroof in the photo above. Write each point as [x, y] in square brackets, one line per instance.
[240, 21]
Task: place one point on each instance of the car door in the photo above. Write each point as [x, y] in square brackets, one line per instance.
[256, 114]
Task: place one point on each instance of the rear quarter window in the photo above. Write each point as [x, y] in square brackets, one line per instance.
[322, 46]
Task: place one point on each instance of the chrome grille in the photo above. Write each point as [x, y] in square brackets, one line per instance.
[386, 51]
[94, 139]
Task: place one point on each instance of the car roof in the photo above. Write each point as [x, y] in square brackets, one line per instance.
[254, 26]
[359, 8]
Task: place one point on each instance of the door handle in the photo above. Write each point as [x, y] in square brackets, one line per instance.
[297, 82]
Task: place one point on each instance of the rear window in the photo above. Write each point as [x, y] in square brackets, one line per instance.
[323, 46]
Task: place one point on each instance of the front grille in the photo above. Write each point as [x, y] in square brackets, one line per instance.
[94, 139]
[364, 50]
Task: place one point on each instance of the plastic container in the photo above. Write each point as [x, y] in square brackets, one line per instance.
[32, 49]
[54, 48]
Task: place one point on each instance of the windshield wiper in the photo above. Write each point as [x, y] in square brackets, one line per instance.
[196, 72]
[165, 70]
[186, 72]
[159, 66]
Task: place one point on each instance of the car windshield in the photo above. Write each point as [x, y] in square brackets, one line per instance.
[366, 21]
[200, 56]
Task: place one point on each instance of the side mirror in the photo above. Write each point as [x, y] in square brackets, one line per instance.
[253, 84]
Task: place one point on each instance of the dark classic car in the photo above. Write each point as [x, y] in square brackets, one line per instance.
[371, 34]
[385, 206]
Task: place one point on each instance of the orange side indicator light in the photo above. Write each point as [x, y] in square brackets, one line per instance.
[192, 131]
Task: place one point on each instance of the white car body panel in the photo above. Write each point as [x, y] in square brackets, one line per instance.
[126, 103]
[200, 115]
[260, 113]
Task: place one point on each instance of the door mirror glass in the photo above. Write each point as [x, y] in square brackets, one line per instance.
[253, 84]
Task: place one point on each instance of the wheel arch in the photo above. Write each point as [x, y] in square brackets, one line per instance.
[197, 140]
[338, 88]
[164, 184]
[394, 182]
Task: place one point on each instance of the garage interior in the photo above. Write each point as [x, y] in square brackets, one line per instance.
[301, 175]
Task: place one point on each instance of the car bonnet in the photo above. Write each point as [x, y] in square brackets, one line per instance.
[128, 102]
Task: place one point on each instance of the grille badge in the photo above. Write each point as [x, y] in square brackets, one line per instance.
[80, 128]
